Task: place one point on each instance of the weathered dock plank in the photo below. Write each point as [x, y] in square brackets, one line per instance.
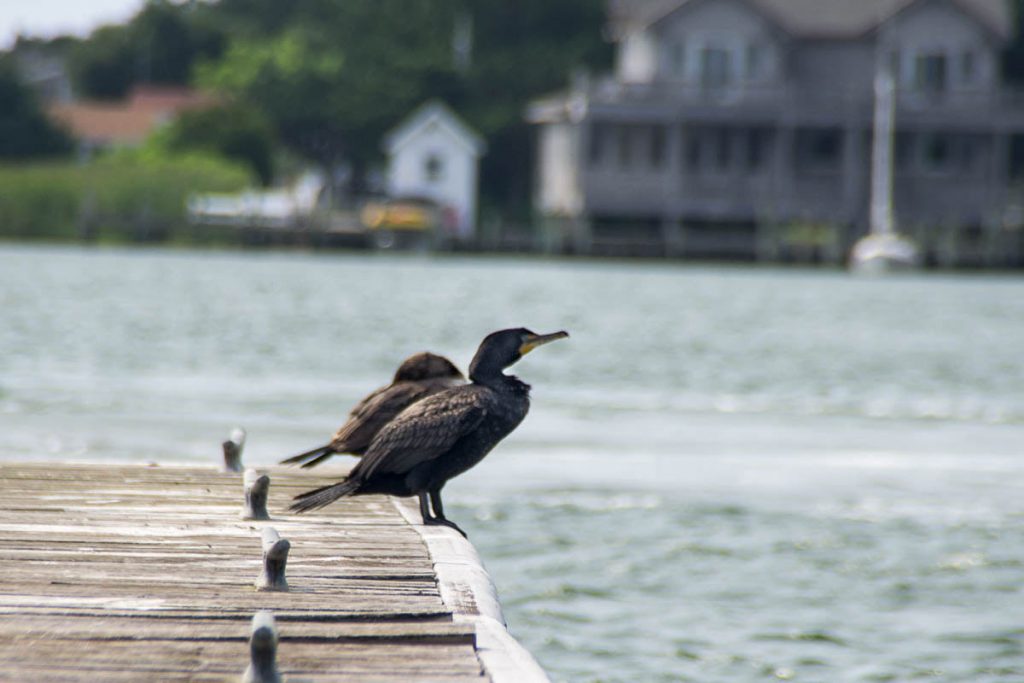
[147, 573]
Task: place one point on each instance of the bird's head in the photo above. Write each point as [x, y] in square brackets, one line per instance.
[501, 349]
[426, 365]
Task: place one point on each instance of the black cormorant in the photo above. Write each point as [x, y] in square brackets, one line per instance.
[417, 377]
[443, 435]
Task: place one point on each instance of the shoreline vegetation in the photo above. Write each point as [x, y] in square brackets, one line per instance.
[133, 198]
[111, 200]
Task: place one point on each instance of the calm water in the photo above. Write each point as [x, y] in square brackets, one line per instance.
[727, 474]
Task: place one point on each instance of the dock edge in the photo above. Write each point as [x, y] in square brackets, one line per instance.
[467, 590]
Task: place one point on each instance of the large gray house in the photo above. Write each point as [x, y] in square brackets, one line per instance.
[729, 120]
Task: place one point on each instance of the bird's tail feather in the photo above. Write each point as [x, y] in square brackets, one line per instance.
[314, 455]
[317, 498]
[318, 459]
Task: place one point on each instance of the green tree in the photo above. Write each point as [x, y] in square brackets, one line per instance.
[524, 49]
[288, 79]
[169, 38]
[159, 45]
[333, 76]
[235, 132]
[103, 66]
[25, 132]
[338, 75]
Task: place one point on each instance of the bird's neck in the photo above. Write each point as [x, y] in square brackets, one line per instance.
[502, 382]
[486, 375]
[483, 370]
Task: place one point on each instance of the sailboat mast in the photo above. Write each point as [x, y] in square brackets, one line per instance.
[882, 152]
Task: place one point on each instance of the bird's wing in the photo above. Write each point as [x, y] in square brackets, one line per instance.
[368, 400]
[425, 430]
[373, 412]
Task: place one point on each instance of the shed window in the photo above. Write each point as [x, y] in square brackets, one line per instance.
[433, 168]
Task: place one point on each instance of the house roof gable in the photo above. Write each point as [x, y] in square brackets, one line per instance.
[759, 8]
[993, 16]
[817, 19]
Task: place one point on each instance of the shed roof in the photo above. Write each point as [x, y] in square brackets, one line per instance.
[434, 112]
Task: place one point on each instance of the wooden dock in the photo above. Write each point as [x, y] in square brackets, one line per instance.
[134, 573]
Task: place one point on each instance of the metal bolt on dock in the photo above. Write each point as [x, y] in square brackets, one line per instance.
[257, 489]
[233, 450]
[262, 650]
[275, 558]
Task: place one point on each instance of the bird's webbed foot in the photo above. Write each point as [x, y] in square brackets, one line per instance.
[441, 521]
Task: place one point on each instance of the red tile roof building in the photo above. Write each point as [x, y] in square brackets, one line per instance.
[128, 122]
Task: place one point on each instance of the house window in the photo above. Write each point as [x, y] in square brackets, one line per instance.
[693, 151]
[677, 59]
[894, 65]
[433, 168]
[965, 153]
[722, 148]
[930, 73]
[903, 151]
[938, 152]
[714, 67]
[819, 149]
[625, 146]
[711, 149]
[596, 143]
[968, 67]
[755, 62]
[1016, 166]
[657, 146]
[757, 147]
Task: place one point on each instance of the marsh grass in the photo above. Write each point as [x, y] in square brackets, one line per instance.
[113, 199]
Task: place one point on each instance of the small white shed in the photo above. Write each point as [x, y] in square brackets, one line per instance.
[434, 154]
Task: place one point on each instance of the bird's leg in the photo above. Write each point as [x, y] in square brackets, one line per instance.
[425, 509]
[439, 519]
[436, 504]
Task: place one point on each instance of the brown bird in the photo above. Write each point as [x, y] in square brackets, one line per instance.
[417, 377]
[443, 435]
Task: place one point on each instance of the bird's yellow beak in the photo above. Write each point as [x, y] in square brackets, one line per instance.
[533, 341]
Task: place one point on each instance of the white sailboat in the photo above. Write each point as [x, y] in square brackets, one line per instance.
[883, 249]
